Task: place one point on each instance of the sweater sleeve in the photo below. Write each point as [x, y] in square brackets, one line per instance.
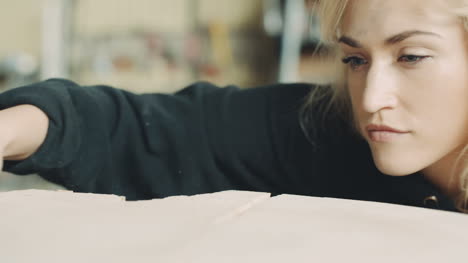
[201, 139]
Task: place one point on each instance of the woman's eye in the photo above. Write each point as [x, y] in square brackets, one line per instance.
[412, 59]
[354, 62]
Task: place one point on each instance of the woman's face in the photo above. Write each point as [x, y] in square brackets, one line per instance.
[407, 66]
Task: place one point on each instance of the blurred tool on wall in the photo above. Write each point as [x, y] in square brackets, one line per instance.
[296, 27]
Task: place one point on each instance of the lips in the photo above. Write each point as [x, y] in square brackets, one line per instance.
[382, 128]
[383, 133]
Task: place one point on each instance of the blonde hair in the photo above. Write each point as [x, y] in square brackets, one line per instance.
[330, 13]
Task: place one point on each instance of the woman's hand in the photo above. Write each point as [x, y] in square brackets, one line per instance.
[23, 129]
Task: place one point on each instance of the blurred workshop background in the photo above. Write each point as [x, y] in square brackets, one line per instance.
[157, 46]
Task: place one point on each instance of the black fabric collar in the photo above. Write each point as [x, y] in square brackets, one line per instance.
[416, 190]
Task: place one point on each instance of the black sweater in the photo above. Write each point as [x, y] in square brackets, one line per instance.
[202, 139]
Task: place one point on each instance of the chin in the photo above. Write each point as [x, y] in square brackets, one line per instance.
[395, 167]
[394, 172]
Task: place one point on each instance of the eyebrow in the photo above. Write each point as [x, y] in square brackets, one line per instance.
[389, 41]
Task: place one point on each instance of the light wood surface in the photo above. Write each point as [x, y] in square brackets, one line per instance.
[50, 226]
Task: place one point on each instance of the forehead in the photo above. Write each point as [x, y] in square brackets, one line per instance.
[380, 18]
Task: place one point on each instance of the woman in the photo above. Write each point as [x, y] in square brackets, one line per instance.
[407, 84]
[403, 87]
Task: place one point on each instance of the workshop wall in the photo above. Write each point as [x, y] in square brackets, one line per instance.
[164, 45]
[20, 26]
[151, 45]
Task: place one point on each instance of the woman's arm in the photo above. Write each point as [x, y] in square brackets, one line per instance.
[24, 128]
[201, 139]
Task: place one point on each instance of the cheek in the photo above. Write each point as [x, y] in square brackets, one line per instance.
[448, 108]
[441, 100]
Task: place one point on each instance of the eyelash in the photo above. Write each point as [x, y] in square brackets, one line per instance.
[352, 60]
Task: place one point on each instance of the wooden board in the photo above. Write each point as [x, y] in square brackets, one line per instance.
[49, 226]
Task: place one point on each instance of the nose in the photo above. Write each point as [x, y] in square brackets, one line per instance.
[380, 90]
